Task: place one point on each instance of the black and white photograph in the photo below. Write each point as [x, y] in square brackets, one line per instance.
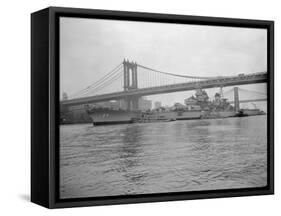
[151, 107]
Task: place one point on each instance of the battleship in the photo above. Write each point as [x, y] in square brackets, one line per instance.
[197, 106]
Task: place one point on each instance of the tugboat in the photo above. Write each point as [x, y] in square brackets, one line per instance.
[250, 112]
[240, 114]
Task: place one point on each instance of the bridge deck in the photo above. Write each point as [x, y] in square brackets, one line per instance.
[211, 83]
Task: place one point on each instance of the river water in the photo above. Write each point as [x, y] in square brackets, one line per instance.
[162, 157]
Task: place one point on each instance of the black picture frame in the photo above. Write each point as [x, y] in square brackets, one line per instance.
[45, 106]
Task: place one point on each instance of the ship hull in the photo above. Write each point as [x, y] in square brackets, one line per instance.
[226, 114]
[174, 115]
[219, 114]
[109, 117]
[188, 115]
[97, 123]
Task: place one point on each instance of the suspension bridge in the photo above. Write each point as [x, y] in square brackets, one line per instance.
[129, 81]
[261, 95]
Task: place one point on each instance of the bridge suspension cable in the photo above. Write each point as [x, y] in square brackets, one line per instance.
[98, 82]
[178, 75]
[150, 78]
[228, 91]
[252, 91]
[106, 83]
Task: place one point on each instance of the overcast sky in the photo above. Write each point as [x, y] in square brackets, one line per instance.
[89, 48]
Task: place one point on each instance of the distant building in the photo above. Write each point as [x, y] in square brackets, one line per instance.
[74, 114]
[145, 104]
[157, 104]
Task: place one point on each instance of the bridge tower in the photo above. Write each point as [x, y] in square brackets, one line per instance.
[236, 99]
[131, 83]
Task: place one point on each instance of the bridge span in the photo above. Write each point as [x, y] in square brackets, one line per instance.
[252, 78]
[250, 100]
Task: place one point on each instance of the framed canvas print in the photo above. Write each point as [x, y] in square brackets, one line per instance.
[138, 107]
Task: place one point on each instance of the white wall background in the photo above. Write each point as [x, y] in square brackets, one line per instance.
[15, 107]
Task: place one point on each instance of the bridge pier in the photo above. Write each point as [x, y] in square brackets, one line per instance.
[135, 103]
[132, 103]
